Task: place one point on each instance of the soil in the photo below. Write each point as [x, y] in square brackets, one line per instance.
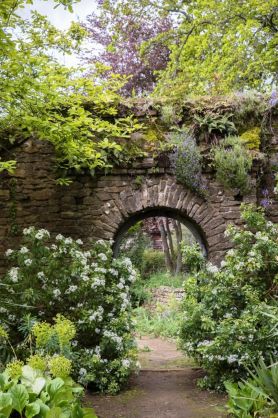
[164, 388]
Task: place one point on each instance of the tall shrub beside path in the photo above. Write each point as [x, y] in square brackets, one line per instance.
[89, 287]
[231, 312]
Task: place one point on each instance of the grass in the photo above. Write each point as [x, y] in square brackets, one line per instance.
[164, 279]
[163, 322]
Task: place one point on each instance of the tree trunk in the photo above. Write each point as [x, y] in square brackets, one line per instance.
[166, 250]
[178, 231]
[170, 240]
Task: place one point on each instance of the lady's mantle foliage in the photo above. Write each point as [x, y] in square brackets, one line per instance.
[230, 312]
[89, 287]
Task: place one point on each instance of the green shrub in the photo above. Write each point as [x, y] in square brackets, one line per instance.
[232, 163]
[258, 396]
[187, 161]
[252, 138]
[153, 261]
[91, 288]
[230, 313]
[192, 257]
[134, 245]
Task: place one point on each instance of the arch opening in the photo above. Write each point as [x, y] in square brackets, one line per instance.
[160, 212]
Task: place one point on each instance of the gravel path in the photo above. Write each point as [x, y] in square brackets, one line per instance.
[165, 388]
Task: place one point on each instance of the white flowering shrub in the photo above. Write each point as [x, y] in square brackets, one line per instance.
[90, 288]
[231, 312]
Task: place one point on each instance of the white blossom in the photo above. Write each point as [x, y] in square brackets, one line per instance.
[56, 293]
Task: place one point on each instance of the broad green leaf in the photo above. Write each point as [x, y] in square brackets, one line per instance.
[6, 404]
[20, 397]
[54, 386]
[32, 409]
[55, 412]
[33, 379]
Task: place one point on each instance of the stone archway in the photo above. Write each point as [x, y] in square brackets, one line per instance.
[161, 195]
[159, 212]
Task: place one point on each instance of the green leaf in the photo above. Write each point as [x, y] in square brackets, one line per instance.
[20, 397]
[32, 409]
[55, 412]
[89, 413]
[6, 404]
[31, 379]
[54, 386]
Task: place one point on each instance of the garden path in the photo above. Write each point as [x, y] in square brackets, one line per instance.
[165, 388]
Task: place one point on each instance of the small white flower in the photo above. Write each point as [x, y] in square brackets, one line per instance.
[59, 237]
[28, 231]
[126, 363]
[41, 275]
[211, 268]
[120, 285]
[79, 242]
[23, 250]
[13, 273]
[9, 252]
[71, 289]
[68, 241]
[233, 358]
[28, 262]
[102, 256]
[56, 293]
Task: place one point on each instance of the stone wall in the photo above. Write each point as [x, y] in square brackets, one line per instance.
[163, 296]
[101, 206]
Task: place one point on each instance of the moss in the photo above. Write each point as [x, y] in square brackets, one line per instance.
[252, 138]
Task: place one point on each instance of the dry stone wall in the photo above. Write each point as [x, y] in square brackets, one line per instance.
[97, 207]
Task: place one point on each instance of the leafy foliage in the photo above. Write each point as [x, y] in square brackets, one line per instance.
[48, 101]
[252, 138]
[164, 321]
[119, 35]
[212, 124]
[257, 395]
[232, 162]
[215, 47]
[43, 387]
[230, 313]
[187, 162]
[192, 257]
[34, 393]
[89, 287]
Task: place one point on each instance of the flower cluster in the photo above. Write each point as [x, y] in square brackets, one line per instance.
[230, 312]
[91, 288]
